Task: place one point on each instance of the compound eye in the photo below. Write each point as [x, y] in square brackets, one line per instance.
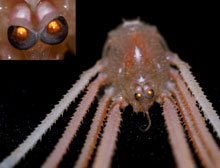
[55, 32]
[149, 93]
[139, 96]
[21, 38]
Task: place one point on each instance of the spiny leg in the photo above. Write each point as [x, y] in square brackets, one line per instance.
[192, 132]
[94, 131]
[207, 149]
[61, 147]
[107, 146]
[196, 90]
[176, 134]
[50, 119]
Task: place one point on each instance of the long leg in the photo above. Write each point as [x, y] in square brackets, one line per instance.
[196, 90]
[61, 147]
[108, 143]
[50, 119]
[176, 134]
[94, 131]
[207, 149]
[197, 143]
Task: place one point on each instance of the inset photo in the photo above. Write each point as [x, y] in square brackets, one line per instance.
[37, 29]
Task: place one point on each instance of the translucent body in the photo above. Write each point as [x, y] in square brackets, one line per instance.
[35, 20]
[137, 55]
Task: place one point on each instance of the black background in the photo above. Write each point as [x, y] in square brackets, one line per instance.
[29, 89]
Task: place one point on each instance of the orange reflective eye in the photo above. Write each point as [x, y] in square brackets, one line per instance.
[150, 93]
[21, 38]
[55, 31]
[54, 26]
[139, 96]
[21, 33]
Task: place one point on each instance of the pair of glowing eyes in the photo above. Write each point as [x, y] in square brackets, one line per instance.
[149, 94]
[54, 33]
